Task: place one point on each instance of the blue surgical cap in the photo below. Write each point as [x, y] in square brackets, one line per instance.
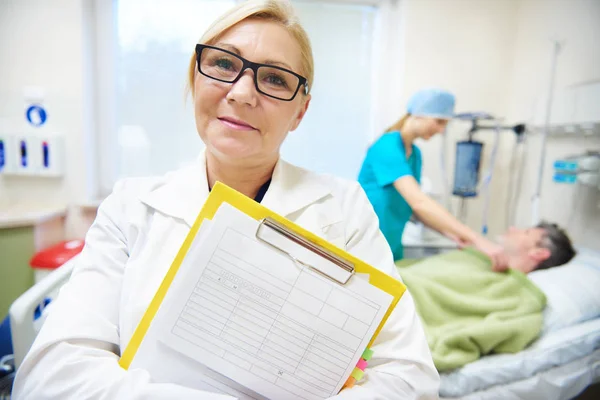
[432, 103]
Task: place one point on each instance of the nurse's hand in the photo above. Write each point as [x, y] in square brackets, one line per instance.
[495, 252]
[460, 243]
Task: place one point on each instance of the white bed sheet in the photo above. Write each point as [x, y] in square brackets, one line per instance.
[557, 348]
[559, 383]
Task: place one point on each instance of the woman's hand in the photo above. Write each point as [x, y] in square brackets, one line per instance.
[460, 242]
[495, 252]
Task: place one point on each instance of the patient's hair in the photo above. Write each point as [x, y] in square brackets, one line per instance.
[557, 241]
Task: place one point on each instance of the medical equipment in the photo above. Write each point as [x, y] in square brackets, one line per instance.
[7, 156]
[535, 202]
[516, 166]
[468, 161]
[584, 169]
[420, 242]
[32, 153]
[23, 327]
[2, 157]
[469, 157]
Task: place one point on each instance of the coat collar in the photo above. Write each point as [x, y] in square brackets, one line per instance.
[182, 193]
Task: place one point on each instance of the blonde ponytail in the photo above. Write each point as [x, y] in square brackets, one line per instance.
[399, 124]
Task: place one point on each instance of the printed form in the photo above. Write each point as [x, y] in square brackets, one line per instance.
[250, 313]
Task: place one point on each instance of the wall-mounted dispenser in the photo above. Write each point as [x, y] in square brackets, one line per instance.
[24, 155]
[6, 154]
[31, 154]
[51, 155]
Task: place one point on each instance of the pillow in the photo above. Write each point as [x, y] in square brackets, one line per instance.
[571, 290]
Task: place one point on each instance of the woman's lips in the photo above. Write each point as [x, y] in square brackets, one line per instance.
[236, 124]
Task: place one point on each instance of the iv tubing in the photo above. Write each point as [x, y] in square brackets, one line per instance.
[488, 180]
[535, 206]
[447, 200]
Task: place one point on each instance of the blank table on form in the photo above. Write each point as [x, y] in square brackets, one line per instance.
[253, 319]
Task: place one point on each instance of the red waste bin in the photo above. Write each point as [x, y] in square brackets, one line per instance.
[47, 260]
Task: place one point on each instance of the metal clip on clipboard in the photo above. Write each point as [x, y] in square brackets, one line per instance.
[283, 240]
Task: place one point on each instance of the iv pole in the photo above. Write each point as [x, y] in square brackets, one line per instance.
[535, 201]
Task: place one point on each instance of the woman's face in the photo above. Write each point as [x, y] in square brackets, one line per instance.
[430, 127]
[236, 122]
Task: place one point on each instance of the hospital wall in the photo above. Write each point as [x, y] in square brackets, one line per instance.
[495, 55]
[576, 24]
[465, 46]
[47, 44]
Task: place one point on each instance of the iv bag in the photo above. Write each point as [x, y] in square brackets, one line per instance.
[466, 172]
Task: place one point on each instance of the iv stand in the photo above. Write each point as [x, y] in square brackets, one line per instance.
[535, 201]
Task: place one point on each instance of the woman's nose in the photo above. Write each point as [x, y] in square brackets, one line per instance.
[244, 90]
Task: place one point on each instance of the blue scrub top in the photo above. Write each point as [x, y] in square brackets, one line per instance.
[386, 161]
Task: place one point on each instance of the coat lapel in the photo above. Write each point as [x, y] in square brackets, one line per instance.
[293, 189]
[183, 192]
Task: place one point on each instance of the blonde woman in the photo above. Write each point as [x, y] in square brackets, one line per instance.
[250, 80]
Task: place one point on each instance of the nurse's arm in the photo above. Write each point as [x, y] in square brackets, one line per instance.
[75, 355]
[437, 217]
[432, 214]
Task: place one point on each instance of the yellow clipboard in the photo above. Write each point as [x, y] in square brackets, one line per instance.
[220, 194]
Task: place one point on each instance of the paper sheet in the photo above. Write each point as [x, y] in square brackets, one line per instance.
[243, 311]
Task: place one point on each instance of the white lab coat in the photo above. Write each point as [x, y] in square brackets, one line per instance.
[129, 248]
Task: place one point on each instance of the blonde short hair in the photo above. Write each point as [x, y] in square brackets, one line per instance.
[280, 11]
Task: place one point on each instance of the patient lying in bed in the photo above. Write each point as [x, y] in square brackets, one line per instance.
[468, 310]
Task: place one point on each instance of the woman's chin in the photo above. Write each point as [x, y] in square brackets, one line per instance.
[233, 148]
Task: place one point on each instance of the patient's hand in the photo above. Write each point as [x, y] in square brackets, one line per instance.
[495, 252]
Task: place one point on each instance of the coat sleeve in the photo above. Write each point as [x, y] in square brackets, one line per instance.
[402, 366]
[75, 355]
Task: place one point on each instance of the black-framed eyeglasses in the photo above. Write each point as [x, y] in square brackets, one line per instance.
[270, 80]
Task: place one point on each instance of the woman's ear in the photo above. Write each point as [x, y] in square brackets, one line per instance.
[302, 112]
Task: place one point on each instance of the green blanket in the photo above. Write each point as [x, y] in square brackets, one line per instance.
[469, 311]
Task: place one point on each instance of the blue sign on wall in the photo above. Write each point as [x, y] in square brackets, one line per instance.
[36, 115]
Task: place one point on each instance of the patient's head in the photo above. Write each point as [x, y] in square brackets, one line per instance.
[543, 246]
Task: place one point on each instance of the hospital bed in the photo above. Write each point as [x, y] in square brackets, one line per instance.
[563, 361]
[558, 366]
[23, 324]
[420, 242]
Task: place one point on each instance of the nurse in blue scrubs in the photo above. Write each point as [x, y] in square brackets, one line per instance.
[391, 175]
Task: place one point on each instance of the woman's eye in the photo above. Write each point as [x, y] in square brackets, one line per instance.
[224, 63]
[275, 80]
